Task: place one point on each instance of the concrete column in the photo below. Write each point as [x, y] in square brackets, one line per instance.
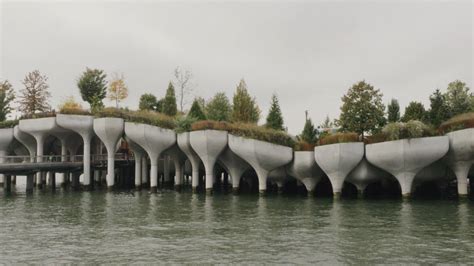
[29, 183]
[52, 180]
[75, 181]
[195, 178]
[144, 170]
[8, 183]
[138, 173]
[14, 179]
[39, 157]
[461, 169]
[87, 162]
[154, 175]
[178, 177]
[166, 170]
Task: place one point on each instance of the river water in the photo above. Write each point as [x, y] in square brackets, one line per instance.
[100, 227]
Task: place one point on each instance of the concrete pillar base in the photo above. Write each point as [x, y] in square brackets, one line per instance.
[312, 193]
[406, 196]
[138, 187]
[280, 190]
[110, 188]
[209, 191]
[360, 194]
[153, 189]
[463, 196]
[8, 183]
[177, 188]
[195, 190]
[336, 195]
[87, 187]
[262, 192]
[235, 190]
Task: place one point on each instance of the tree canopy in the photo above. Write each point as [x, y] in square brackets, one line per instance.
[70, 104]
[393, 111]
[275, 118]
[309, 134]
[439, 109]
[7, 95]
[245, 108]
[169, 102]
[34, 96]
[458, 98]
[93, 87]
[118, 90]
[219, 108]
[362, 109]
[148, 102]
[414, 111]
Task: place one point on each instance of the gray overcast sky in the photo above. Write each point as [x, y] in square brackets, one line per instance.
[308, 52]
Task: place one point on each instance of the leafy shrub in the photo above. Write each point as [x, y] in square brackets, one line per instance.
[39, 115]
[340, 137]
[8, 123]
[411, 129]
[457, 122]
[184, 123]
[247, 130]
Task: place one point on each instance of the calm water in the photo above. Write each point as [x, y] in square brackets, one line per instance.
[99, 227]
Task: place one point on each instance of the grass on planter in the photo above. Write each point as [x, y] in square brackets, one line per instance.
[339, 137]
[247, 130]
[9, 123]
[39, 115]
[145, 117]
[302, 145]
[458, 122]
[400, 130]
[74, 111]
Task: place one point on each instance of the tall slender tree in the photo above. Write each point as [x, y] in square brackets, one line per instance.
[219, 108]
[245, 108]
[309, 134]
[393, 111]
[183, 83]
[34, 96]
[439, 109]
[118, 90]
[196, 111]
[458, 98]
[93, 87]
[362, 109]
[414, 111]
[7, 95]
[169, 102]
[275, 118]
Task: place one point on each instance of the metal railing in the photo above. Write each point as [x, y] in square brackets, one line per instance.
[95, 158]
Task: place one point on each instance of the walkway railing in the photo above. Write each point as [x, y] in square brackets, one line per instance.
[95, 158]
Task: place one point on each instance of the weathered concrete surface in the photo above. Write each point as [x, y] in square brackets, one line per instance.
[184, 143]
[208, 145]
[364, 174]
[262, 156]
[405, 158]
[460, 156]
[178, 158]
[338, 160]
[84, 126]
[437, 172]
[6, 138]
[109, 131]
[27, 140]
[235, 167]
[304, 168]
[154, 140]
[138, 153]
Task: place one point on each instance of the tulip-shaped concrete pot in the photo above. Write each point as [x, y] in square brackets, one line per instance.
[110, 131]
[337, 161]
[154, 140]
[364, 174]
[234, 166]
[262, 156]
[184, 143]
[178, 158]
[6, 138]
[27, 140]
[405, 158]
[461, 156]
[304, 168]
[208, 145]
[138, 153]
[84, 126]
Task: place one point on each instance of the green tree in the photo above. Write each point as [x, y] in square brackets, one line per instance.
[169, 102]
[275, 118]
[148, 101]
[414, 111]
[439, 109]
[393, 111]
[458, 98]
[362, 109]
[93, 87]
[7, 95]
[196, 111]
[309, 134]
[219, 108]
[34, 96]
[245, 108]
[327, 123]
